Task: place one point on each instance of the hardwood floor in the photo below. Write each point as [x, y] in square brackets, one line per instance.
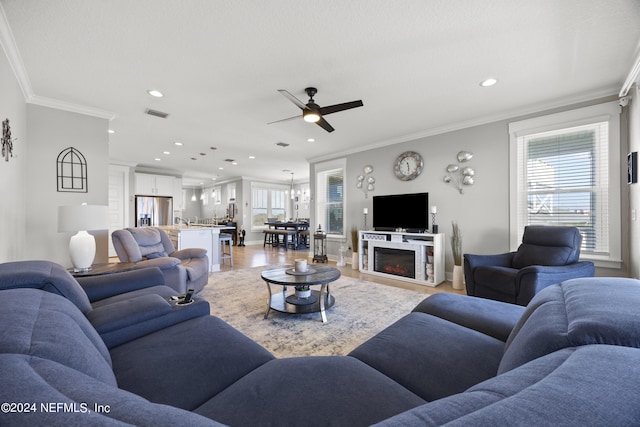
[257, 256]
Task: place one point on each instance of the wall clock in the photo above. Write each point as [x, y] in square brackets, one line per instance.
[408, 166]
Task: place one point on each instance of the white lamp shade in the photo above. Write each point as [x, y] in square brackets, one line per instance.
[82, 217]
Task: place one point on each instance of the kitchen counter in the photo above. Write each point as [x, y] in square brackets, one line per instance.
[205, 236]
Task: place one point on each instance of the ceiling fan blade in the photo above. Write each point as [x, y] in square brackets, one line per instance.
[340, 107]
[284, 120]
[293, 99]
[325, 125]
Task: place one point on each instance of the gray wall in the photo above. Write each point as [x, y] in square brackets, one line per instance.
[13, 190]
[482, 212]
[51, 131]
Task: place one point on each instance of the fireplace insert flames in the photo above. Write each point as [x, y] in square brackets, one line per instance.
[398, 262]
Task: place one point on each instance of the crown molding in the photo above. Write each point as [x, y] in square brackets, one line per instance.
[17, 65]
[632, 78]
[13, 55]
[71, 107]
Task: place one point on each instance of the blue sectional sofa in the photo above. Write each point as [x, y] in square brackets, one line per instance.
[570, 357]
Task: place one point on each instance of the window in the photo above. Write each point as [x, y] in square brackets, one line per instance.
[331, 198]
[267, 201]
[565, 171]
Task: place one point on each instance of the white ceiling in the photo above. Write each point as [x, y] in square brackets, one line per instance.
[416, 65]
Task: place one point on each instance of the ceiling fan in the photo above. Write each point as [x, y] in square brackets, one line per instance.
[313, 113]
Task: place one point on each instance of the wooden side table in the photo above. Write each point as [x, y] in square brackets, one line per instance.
[100, 269]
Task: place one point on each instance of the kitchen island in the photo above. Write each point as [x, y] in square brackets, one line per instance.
[199, 236]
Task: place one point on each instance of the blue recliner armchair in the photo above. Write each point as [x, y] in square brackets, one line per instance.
[547, 255]
[151, 247]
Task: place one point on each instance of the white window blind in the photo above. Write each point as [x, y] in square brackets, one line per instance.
[564, 180]
[565, 171]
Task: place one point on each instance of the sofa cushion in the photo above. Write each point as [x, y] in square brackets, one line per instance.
[597, 385]
[186, 364]
[43, 275]
[576, 312]
[430, 356]
[310, 391]
[45, 325]
[65, 397]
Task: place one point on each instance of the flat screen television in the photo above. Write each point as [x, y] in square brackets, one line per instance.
[407, 211]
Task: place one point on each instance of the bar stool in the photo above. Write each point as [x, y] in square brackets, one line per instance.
[226, 239]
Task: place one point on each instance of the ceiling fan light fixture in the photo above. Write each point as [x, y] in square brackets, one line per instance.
[310, 116]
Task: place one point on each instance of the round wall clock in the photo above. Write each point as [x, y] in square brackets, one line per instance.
[408, 166]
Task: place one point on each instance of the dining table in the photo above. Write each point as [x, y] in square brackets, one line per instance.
[296, 225]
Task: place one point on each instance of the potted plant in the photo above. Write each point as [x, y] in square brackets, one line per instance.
[303, 291]
[456, 249]
[354, 244]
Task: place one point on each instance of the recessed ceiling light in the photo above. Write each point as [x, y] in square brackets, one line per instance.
[157, 159]
[488, 82]
[155, 93]
[221, 168]
[179, 144]
[166, 153]
[252, 157]
[234, 163]
[111, 131]
[311, 140]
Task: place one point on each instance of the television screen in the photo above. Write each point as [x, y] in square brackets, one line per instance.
[408, 211]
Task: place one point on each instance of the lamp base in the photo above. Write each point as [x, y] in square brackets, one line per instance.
[82, 250]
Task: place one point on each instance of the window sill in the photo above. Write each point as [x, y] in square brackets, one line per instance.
[603, 262]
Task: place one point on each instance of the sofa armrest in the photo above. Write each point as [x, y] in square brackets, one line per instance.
[471, 262]
[188, 253]
[108, 285]
[132, 318]
[128, 312]
[531, 280]
[498, 260]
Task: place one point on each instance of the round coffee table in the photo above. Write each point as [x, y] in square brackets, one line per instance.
[317, 301]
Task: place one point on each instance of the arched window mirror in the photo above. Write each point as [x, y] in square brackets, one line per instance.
[72, 171]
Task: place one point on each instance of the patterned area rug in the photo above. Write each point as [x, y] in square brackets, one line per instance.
[362, 309]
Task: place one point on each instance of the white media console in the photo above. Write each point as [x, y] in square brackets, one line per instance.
[412, 257]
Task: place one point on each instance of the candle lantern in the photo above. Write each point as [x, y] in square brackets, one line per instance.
[319, 239]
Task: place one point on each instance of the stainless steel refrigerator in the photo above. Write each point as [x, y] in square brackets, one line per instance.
[153, 211]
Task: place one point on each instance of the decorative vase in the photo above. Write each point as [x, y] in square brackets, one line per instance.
[458, 277]
[354, 260]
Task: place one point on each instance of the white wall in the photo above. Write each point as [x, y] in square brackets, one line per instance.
[51, 131]
[13, 187]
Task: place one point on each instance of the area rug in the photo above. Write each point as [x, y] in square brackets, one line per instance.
[362, 309]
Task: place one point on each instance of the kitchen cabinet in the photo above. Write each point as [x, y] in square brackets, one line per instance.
[154, 185]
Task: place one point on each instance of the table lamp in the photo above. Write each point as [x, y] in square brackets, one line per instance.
[80, 218]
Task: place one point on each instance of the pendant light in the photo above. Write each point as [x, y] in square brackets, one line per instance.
[292, 191]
